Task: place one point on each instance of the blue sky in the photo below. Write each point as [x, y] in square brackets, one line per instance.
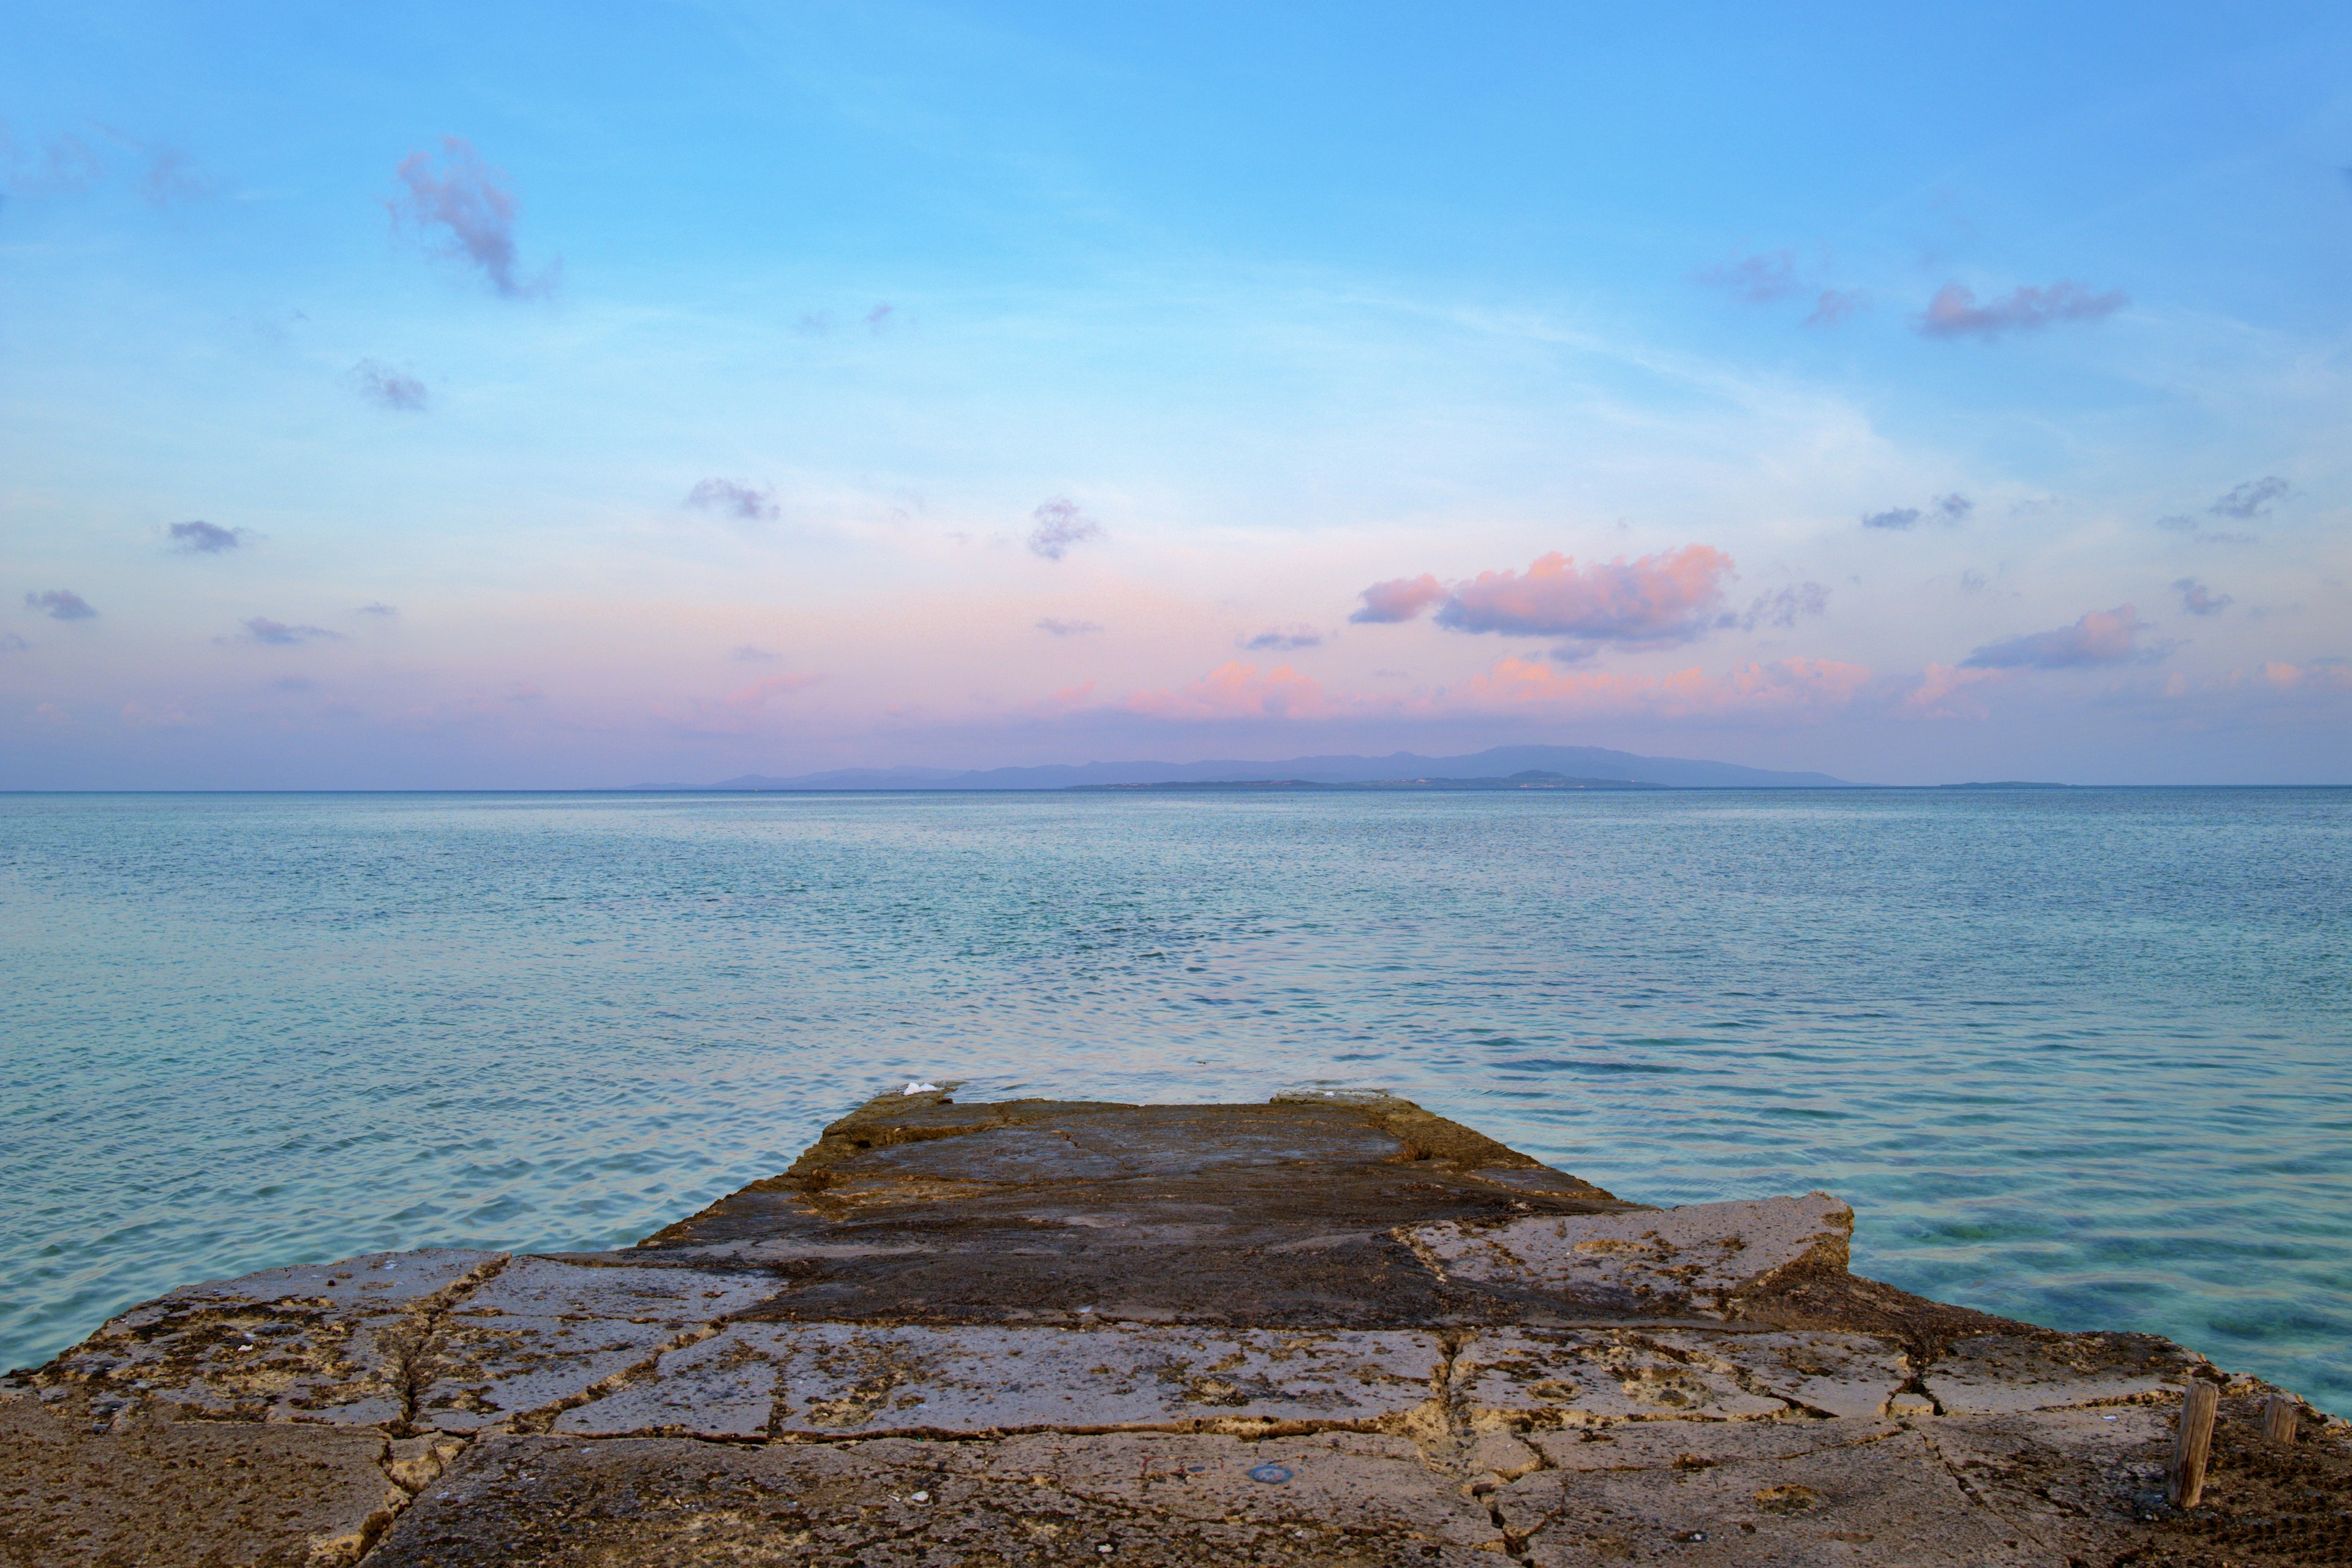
[575, 397]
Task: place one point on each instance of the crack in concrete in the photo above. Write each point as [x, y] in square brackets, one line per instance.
[413, 1377]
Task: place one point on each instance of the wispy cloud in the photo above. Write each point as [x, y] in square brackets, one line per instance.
[744, 653]
[197, 537]
[1955, 313]
[2250, 499]
[1668, 597]
[1783, 608]
[878, 318]
[2197, 599]
[1054, 627]
[1282, 639]
[2102, 636]
[1238, 690]
[65, 162]
[172, 175]
[1951, 510]
[277, 634]
[1834, 305]
[1942, 693]
[1059, 525]
[60, 604]
[1756, 279]
[760, 693]
[11, 642]
[733, 497]
[378, 608]
[472, 204]
[388, 388]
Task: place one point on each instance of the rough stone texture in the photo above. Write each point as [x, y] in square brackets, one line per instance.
[1516, 1377]
[1826, 1373]
[1890, 1500]
[143, 1490]
[1341, 1499]
[1326, 1330]
[1692, 1261]
[825, 1379]
[1993, 1374]
[319, 1341]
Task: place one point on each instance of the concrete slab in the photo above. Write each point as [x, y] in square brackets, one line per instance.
[1883, 1502]
[1521, 1377]
[144, 1490]
[829, 1379]
[1692, 1259]
[639, 1292]
[1993, 1374]
[1694, 1445]
[488, 1373]
[1836, 1374]
[372, 1283]
[1151, 1501]
[314, 1343]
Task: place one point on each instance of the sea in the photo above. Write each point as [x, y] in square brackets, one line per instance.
[2078, 1057]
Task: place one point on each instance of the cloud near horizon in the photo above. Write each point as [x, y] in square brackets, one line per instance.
[2101, 636]
[2197, 599]
[473, 204]
[1279, 639]
[1658, 600]
[1059, 524]
[1794, 688]
[1955, 313]
[60, 604]
[277, 634]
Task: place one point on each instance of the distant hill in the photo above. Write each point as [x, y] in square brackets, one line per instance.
[1579, 763]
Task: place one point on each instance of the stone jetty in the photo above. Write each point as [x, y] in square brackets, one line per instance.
[1326, 1329]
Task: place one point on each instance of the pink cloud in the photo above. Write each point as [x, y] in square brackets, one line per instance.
[760, 692]
[1955, 313]
[1398, 599]
[2102, 636]
[1668, 597]
[1790, 687]
[1238, 690]
[1942, 693]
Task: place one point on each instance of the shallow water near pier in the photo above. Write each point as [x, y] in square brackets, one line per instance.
[2083, 1057]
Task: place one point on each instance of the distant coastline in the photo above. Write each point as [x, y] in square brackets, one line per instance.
[1590, 767]
[1531, 779]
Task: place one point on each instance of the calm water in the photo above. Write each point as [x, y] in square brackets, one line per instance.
[2084, 1058]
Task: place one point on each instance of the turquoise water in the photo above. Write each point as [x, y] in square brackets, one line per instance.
[2082, 1058]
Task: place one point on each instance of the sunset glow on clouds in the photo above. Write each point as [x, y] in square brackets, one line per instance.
[979, 387]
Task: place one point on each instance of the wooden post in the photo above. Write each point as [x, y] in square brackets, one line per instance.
[2193, 1444]
[2278, 1420]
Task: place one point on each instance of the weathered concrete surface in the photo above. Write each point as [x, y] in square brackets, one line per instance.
[1317, 1330]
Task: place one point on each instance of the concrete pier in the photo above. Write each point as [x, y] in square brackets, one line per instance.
[1326, 1330]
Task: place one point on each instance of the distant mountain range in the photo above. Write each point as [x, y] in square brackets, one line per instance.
[1585, 764]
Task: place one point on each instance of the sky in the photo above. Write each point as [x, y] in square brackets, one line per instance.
[490, 397]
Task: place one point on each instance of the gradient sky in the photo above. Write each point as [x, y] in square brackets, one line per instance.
[480, 396]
